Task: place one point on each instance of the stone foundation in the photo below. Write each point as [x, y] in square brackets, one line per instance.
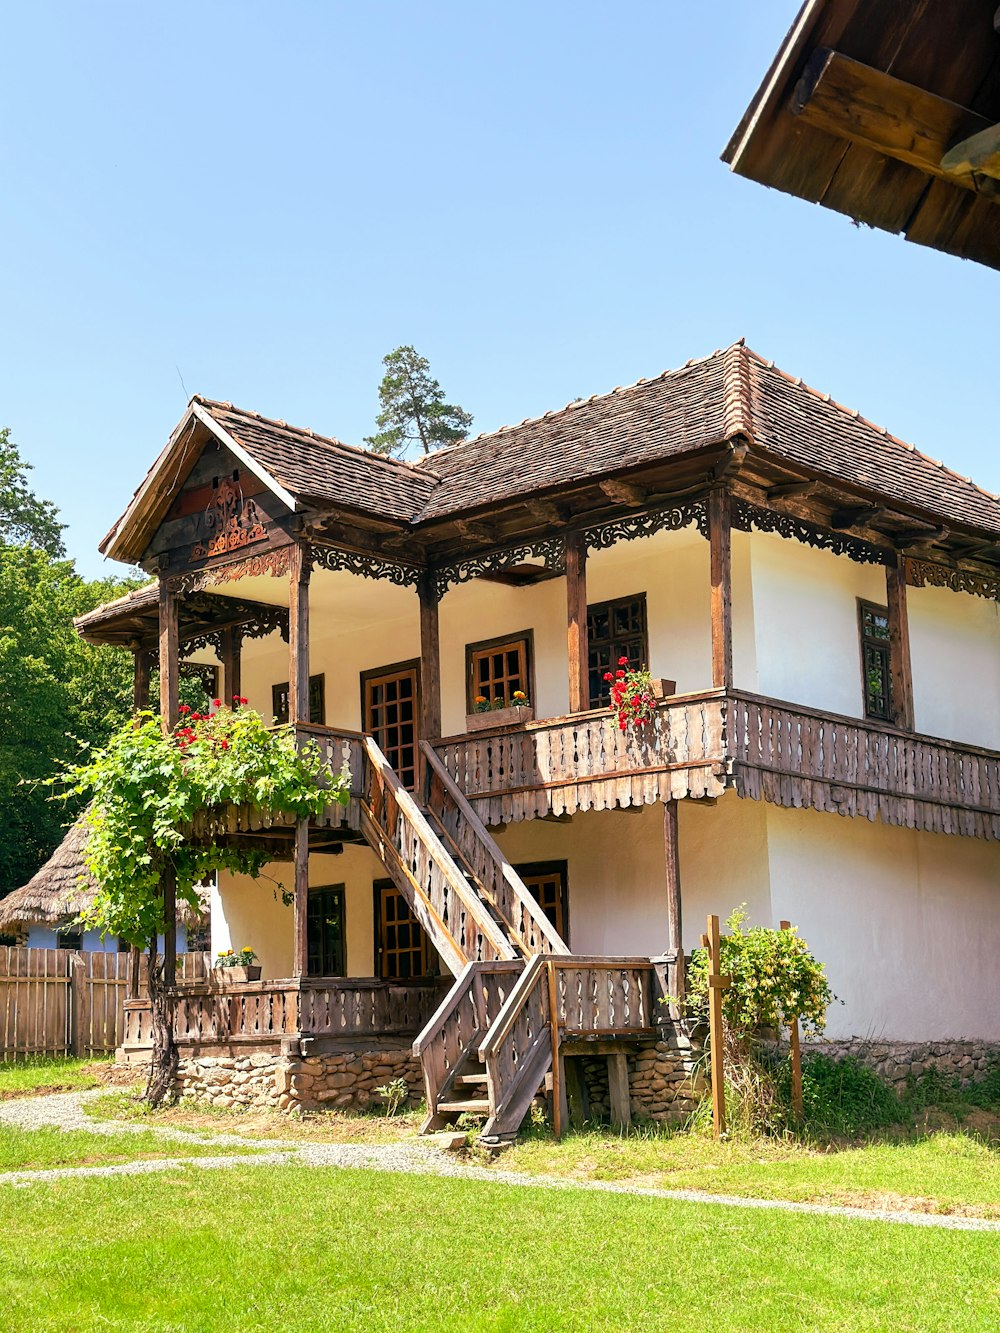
[341, 1080]
[896, 1061]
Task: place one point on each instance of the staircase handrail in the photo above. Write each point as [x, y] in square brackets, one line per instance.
[437, 853]
[516, 1000]
[543, 925]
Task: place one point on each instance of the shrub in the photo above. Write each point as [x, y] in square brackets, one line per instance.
[842, 1097]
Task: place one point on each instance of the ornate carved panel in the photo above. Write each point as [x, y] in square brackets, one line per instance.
[747, 516]
[923, 573]
[275, 562]
[551, 551]
[368, 566]
[229, 521]
[671, 518]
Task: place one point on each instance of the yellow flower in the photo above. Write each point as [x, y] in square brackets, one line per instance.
[520, 694]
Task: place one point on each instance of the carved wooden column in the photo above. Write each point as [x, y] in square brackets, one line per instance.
[720, 538]
[298, 711]
[899, 643]
[232, 655]
[430, 660]
[576, 622]
[169, 700]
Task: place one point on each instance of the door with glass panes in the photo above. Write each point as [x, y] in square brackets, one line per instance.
[390, 708]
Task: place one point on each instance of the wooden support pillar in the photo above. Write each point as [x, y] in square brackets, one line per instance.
[169, 656]
[720, 538]
[576, 622]
[899, 644]
[140, 680]
[168, 882]
[298, 635]
[232, 662]
[618, 1090]
[300, 966]
[716, 1037]
[430, 661]
[672, 875]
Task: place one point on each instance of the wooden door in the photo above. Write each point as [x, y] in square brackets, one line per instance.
[390, 707]
[402, 950]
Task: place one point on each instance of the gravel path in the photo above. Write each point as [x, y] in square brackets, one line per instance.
[65, 1110]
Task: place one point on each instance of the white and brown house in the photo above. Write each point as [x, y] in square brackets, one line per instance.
[824, 600]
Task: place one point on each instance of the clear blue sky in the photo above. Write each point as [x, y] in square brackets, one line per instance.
[270, 197]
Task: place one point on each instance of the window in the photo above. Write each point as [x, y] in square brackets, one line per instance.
[317, 701]
[402, 949]
[390, 709]
[69, 939]
[546, 882]
[876, 673]
[496, 668]
[615, 629]
[325, 931]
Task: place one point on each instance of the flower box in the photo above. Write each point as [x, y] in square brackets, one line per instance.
[250, 973]
[663, 689]
[499, 717]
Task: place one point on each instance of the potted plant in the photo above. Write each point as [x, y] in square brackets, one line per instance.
[635, 694]
[499, 712]
[238, 965]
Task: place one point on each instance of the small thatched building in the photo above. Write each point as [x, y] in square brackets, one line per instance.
[45, 912]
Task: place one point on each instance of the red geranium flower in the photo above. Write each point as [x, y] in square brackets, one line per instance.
[224, 743]
[623, 661]
[216, 703]
[184, 709]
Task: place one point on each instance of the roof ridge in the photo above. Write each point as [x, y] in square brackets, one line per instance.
[737, 389]
[328, 441]
[855, 415]
[579, 402]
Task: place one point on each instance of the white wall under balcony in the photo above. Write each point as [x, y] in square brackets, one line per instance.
[955, 650]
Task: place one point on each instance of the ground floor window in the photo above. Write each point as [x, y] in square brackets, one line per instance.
[547, 884]
[390, 708]
[69, 939]
[325, 931]
[402, 949]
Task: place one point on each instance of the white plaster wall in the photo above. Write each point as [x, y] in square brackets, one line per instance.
[248, 913]
[907, 923]
[806, 616]
[43, 937]
[955, 652]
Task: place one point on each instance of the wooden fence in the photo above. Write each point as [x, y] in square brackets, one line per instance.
[65, 1002]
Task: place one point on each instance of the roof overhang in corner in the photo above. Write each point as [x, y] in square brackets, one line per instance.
[130, 536]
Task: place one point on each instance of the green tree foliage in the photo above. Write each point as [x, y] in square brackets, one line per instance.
[55, 691]
[413, 407]
[25, 520]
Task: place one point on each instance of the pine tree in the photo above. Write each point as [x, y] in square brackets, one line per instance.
[413, 407]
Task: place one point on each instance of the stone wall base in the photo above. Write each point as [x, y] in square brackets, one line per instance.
[341, 1080]
[896, 1061]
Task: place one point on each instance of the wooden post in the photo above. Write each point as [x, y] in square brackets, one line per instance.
[796, 1054]
[618, 1090]
[169, 656]
[576, 622]
[168, 880]
[430, 662]
[298, 635]
[720, 538]
[140, 679]
[717, 983]
[232, 663]
[899, 644]
[558, 1082]
[672, 867]
[300, 966]
[81, 1016]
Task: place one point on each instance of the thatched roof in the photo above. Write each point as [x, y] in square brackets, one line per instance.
[64, 888]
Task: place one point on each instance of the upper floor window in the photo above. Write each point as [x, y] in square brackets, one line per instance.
[876, 672]
[496, 668]
[614, 630]
[317, 701]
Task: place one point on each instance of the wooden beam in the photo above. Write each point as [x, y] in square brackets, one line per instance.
[300, 952]
[789, 488]
[169, 658]
[477, 530]
[731, 461]
[672, 869]
[576, 623]
[548, 511]
[720, 538]
[866, 106]
[430, 663]
[232, 665]
[978, 155]
[624, 492]
[618, 1090]
[298, 635]
[852, 515]
[899, 644]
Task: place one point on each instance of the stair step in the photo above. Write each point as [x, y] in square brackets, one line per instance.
[473, 1106]
[466, 1079]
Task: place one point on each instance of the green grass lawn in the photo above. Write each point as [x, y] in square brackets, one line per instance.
[942, 1172]
[299, 1249]
[40, 1149]
[49, 1073]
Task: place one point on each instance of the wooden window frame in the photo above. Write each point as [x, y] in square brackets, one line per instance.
[609, 604]
[482, 648]
[64, 935]
[530, 869]
[317, 682]
[430, 955]
[396, 669]
[314, 891]
[886, 644]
